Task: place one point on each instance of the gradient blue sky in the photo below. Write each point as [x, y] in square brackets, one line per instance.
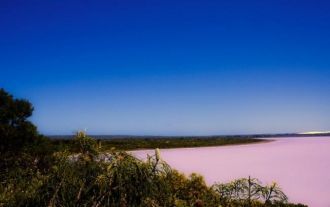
[169, 67]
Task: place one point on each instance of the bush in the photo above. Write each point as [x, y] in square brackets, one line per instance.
[248, 191]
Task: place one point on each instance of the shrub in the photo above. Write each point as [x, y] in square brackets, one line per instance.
[249, 191]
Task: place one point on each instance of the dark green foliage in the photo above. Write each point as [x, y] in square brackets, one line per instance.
[15, 130]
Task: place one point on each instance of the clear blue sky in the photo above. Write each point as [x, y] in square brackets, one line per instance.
[169, 67]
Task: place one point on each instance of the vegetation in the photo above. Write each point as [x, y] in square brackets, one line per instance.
[82, 176]
[15, 130]
[39, 173]
[133, 143]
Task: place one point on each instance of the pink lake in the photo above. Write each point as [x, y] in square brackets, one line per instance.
[301, 166]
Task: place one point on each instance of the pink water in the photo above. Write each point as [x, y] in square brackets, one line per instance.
[301, 166]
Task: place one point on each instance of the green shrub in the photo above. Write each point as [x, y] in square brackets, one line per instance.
[249, 191]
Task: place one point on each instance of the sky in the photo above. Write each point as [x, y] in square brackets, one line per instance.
[153, 67]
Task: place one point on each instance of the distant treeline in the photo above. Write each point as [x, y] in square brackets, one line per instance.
[132, 143]
[127, 142]
[106, 137]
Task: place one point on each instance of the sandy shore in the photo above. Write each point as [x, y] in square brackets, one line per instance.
[300, 165]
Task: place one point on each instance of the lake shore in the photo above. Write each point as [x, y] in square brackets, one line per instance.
[151, 150]
[301, 166]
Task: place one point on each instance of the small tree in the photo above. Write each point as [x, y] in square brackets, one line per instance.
[273, 193]
[15, 128]
[86, 146]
